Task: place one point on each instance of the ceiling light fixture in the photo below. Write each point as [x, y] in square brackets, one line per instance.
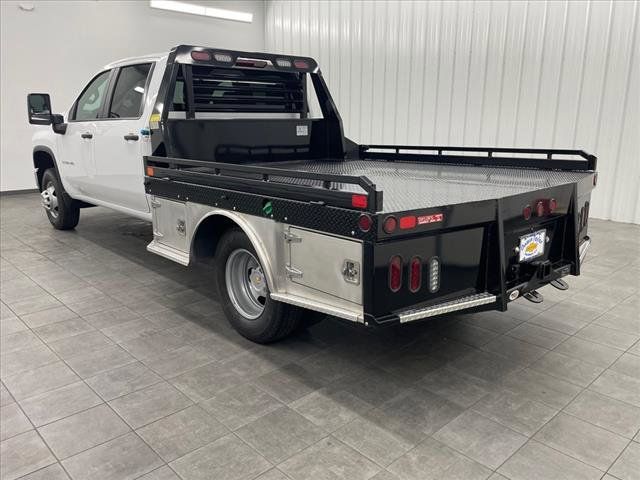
[196, 9]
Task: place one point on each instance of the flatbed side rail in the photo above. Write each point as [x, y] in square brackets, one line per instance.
[544, 159]
[268, 181]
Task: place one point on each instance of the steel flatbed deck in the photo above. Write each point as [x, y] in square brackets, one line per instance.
[415, 185]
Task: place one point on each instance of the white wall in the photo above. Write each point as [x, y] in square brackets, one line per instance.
[544, 74]
[59, 45]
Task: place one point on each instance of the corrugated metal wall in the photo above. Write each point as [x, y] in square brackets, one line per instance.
[544, 74]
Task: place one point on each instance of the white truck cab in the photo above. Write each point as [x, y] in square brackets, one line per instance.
[98, 148]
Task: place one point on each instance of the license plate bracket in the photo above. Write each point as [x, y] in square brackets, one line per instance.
[532, 245]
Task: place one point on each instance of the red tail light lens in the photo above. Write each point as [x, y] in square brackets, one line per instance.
[390, 224]
[407, 222]
[526, 212]
[395, 273]
[302, 64]
[415, 274]
[540, 209]
[553, 204]
[359, 201]
[201, 56]
[365, 222]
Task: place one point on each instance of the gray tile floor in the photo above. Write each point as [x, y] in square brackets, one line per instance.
[117, 364]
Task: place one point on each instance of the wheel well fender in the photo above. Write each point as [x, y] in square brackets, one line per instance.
[213, 225]
[43, 159]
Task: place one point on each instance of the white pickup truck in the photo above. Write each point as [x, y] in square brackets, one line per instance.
[241, 156]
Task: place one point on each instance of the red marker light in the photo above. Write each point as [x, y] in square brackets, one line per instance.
[395, 273]
[201, 56]
[359, 201]
[365, 222]
[415, 274]
[553, 204]
[540, 209]
[302, 64]
[407, 222]
[526, 212]
[390, 224]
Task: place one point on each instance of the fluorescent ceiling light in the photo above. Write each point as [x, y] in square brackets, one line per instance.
[196, 9]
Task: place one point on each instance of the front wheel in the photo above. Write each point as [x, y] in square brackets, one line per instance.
[61, 210]
[244, 293]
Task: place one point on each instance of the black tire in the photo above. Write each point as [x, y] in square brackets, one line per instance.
[277, 319]
[66, 214]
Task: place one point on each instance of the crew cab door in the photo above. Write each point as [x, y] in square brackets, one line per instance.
[119, 142]
[76, 160]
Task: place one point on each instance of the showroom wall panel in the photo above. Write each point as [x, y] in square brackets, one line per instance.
[58, 45]
[543, 74]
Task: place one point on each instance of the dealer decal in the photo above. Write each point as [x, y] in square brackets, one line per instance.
[434, 218]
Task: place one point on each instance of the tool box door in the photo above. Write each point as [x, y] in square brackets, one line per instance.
[317, 261]
[169, 223]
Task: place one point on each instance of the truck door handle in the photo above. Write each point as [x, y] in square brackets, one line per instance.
[131, 136]
[86, 135]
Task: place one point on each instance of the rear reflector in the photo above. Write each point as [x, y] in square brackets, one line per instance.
[415, 274]
[407, 222]
[359, 201]
[201, 56]
[390, 224]
[395, 273]
[149, 171]
[365, 222]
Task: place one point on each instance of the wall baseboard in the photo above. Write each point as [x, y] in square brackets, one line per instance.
[6, 193]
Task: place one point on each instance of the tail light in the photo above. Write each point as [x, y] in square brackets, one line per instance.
[553, 204]
[390, 224]
[365, 222]
[301, 64]
[434, 274]
[526, 212]
[395, 273]
[407, 222]
[359, 201]
[540, 209]
[415, 274]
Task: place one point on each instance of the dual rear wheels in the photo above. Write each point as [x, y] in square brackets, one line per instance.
[244, 293]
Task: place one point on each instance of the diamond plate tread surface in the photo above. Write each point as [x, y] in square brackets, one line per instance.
[409, 186]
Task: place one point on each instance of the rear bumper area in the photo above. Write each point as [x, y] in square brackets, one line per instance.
[480, 256]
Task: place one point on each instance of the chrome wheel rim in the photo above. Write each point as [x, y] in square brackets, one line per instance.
[246, 283]
[50, 200]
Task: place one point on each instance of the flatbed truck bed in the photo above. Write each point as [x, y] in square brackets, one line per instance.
[411, 185]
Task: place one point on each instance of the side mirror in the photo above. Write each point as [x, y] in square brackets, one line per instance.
[39, 109]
